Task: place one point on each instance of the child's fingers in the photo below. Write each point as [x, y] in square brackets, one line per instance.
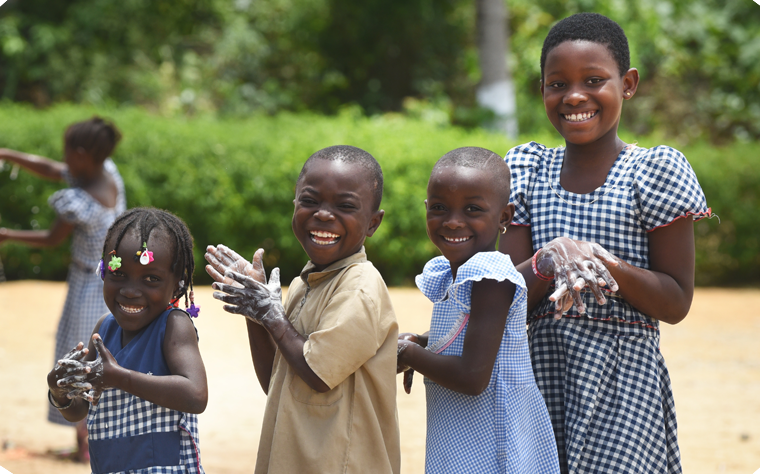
[258, 266]
[214, 274]
[274, 278]
[408, 379]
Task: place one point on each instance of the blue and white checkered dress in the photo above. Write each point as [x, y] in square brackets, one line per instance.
[84, 300]
[603, 378]
[130, 435]
[505, 429]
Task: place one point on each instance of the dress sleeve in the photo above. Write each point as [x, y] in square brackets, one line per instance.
[667, 189]
[523, 161]
[348, 335]
[484, 266]
[73, 205]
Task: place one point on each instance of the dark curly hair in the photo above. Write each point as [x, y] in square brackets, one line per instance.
[589, 27]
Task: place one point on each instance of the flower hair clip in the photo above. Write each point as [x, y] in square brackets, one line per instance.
[146, 256]
[115, 262]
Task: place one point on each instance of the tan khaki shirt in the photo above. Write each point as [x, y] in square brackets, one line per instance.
[346, 315]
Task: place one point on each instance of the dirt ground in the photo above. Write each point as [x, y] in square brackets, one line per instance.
[713, 358]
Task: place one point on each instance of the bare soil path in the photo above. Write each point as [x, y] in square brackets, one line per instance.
[713, 357]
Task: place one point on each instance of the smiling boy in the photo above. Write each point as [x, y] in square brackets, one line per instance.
[327, 357]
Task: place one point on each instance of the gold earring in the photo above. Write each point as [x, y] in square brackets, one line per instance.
[504, 230]
[628, 94]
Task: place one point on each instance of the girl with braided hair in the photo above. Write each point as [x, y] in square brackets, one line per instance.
[141, 381]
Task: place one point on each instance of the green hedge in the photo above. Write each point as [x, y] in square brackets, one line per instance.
[232, 181]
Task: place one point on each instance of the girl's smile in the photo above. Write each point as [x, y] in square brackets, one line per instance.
[464, 212]
[583, 91]
[136, 294]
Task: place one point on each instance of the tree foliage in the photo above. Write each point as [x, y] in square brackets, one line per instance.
[699, 61]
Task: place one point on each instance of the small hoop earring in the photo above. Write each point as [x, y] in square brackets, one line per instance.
[504, 230]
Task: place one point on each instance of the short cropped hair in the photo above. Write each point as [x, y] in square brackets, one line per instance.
[96, 136]
[480, 158]
[353, 155]
[589, 27]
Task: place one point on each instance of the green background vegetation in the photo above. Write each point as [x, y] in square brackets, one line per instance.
[232, 181]
[221, 101]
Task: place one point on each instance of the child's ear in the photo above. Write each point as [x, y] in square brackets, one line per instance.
[507, 213]
[374, 223]
[630, 83]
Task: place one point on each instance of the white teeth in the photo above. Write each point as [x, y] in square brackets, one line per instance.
[131, 309]
[458, 239]
[579, 117]
[324, 235]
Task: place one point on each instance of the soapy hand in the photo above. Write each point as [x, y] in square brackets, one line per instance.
[406, 339]
[222, 259]
[68, 377]
[100, 368]
[257, 301]
[576, 264]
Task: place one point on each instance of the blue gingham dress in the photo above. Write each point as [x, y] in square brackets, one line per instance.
[505, 429]
[130, 435]
[84, 300]
[603, 377]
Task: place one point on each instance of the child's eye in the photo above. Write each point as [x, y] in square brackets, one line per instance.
[595, 80]
[437, 207]
[347, 205]
[473, 209]
[152, 279]
[556, 85]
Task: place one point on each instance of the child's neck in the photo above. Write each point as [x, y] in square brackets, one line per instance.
[585, 167]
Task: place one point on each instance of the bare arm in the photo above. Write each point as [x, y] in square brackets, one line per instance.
[39, 165]
[518, 244]
[184, 390]
[263, 349]
[469, 373]
[666, 289]
[39, 238]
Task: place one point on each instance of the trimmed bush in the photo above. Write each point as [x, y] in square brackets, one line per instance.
[233, 181]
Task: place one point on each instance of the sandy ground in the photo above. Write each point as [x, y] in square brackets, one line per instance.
[713, 358]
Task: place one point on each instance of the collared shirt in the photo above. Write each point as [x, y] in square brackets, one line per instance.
[345, 313]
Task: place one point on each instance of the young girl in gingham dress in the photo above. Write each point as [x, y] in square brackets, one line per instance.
[485, 412]
[598, 364]
[85, 209]
[142, 410]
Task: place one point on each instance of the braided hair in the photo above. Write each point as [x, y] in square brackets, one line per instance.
[146, 220]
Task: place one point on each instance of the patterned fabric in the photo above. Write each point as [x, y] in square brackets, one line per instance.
[506, 428]
[129, 434]
[84, 301]
[603, 377]
[645, 189]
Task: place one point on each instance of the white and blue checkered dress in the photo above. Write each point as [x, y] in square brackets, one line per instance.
[84, 300]
[505, 429]
[130, 435]
[603, 377]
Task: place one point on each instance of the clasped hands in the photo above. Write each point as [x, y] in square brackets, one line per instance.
[72, 377]
[575, 265]
[243, 285]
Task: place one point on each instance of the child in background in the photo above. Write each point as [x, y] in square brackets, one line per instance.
[142, 410]
[485, 413]
[599, 367]
[86, 209]
[326, 358]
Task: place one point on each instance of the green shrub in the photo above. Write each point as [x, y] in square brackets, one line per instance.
[232, 181]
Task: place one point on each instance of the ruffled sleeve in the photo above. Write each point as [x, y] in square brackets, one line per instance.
[523, 161]
[435, 281]
[74, 206]
[667, 188]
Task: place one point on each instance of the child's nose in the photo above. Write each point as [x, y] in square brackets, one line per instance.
[130, 292]
[453, 223]
[575, 96]
[324, 215]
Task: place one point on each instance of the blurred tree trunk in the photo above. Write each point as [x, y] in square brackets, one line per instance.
[496, 90]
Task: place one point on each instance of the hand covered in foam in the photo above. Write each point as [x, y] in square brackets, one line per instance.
[101, 367]
[258, 301]
[69, 375]
[576, 264]
[405, 340]
[223, 259]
